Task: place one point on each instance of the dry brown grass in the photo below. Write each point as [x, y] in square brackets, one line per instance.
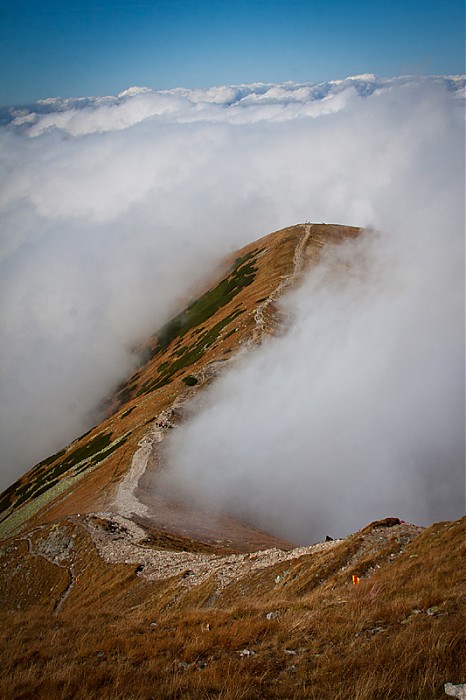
[196, 655]
[141, 640]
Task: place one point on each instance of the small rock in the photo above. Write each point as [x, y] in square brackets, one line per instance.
[291, 652]
[434, 610]
[407, 619]
[271, 615]
[246, 652]
[456, 691]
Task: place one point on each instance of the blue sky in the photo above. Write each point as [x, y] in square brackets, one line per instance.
[95, 47]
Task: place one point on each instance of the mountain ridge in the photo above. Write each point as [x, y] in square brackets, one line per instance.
[110, 587]
[190, 349]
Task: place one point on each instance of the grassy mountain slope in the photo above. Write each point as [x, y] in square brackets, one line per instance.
[237, 309]
[102, 596]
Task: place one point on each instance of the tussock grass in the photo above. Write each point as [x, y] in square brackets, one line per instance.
[398, 635]
[197, 655]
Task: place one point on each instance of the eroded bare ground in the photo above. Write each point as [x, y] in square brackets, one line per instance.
[120, 540]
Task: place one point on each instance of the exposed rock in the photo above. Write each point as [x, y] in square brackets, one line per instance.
[434, 610]
[456, 691]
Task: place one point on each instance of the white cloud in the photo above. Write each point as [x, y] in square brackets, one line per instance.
[106, 204]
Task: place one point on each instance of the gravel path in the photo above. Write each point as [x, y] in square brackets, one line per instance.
[263, 315]
[120, 540]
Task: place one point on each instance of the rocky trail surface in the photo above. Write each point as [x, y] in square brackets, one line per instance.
[120, 540]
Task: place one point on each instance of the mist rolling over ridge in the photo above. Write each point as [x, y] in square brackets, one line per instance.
[114, 208]
[355, 411]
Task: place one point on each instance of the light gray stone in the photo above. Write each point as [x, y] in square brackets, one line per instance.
[456, 691]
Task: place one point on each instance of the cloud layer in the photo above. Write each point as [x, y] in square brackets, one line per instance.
[112, 208]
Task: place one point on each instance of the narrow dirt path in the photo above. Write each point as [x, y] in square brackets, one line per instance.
[68, 589]
[126, 501]
[263, 316]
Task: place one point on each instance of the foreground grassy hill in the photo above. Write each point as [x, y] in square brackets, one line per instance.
[76, 626]
[109, 591]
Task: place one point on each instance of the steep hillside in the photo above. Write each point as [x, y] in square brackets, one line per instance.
[100, 470]
[110, 589]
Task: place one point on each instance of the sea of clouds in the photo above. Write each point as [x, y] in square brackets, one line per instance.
[112, 209]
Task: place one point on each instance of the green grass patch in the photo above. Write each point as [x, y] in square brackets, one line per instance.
[42, 490]
[19, 492]
[102, 455]
[190, 380]
[127, 412]
[125, 394]
[192, 354]
[242, 275]
[44, 480]
[49, 460]
[87, 456]
[233, 330]
[95, 444]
